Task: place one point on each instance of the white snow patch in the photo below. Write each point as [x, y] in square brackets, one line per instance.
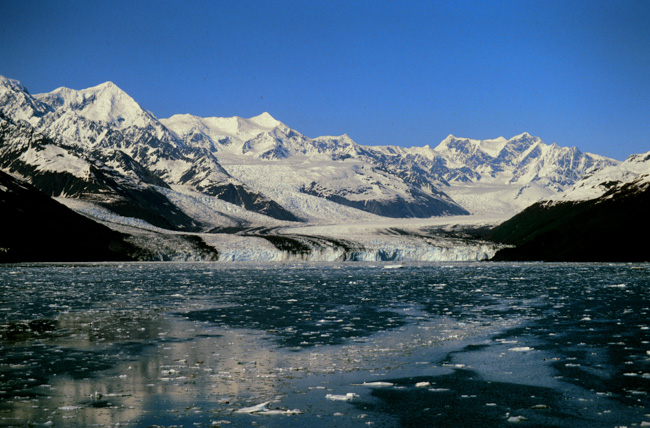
[56, 159]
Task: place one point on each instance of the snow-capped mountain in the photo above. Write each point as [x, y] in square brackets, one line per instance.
[212, 174]
[482, 176]
[105, 103]
[511, 173]
[101, 135]
[520, 160]
[634, 171]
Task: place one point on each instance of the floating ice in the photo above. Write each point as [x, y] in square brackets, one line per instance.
[540, 407]
[422, 384]
[254, 409]
[347, 397]
[516, 419]
[262, 409]
[271, 412]
[393, 266]
[376, 384]
[521, 349]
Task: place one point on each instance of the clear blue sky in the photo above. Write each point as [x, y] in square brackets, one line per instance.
[385, 72]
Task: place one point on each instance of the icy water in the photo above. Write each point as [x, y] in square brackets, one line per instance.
[325, 345]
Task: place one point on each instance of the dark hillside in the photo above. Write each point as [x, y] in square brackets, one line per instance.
[612, 228]
[35, 228]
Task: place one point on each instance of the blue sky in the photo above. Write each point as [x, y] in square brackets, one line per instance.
[384, 72]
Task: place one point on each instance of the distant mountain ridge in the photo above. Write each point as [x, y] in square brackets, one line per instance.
[199, 174]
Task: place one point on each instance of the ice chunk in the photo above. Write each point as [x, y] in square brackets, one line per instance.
[377, 384]
[254, 409]
[262, 409]
[393, 266]
[521, 349]
[422, 384]
[516, 419]
[540, 407]
[347, 397]
[271, 412]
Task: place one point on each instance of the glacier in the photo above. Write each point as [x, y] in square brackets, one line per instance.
[377, 249]
[427, 240]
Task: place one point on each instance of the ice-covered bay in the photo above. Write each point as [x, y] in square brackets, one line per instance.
[324, 344]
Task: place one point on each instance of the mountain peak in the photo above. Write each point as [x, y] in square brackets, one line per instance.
[522, 135]
[12, 83]
[108, 89]
[107, 84]
[105, 102]
[265, 120]
[17, 102]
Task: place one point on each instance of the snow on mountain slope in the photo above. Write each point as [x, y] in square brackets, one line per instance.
[636, 168]
[217, 129]
[520, 160]
[16, 101]
[282, 163]
[102, 103]
[104, 127]
[56, 159]
[505, 176]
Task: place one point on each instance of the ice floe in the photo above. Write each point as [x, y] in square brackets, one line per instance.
[263, 409]
[347, 397]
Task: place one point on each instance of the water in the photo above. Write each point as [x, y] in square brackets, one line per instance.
[325, 345]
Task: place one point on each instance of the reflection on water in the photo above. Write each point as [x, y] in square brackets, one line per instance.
[324, 344]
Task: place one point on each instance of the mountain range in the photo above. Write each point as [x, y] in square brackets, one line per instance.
[100, 153]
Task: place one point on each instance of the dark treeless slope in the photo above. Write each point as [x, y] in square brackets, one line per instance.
[36, 228]
[612, 228]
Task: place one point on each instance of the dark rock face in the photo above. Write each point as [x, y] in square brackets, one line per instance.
[612, 228]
